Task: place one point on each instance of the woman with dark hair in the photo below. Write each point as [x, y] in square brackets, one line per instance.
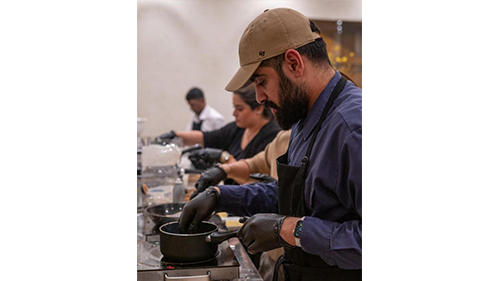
[254, 127]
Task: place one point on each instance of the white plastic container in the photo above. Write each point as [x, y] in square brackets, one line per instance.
[159, 173]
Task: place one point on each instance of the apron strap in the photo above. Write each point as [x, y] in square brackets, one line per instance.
[300, 210]
[338, 88]
[277, 265]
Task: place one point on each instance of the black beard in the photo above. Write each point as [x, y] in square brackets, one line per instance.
[294, 102]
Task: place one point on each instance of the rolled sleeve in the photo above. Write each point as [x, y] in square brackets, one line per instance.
[258, 163]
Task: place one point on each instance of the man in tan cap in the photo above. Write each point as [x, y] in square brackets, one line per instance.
[314, 211]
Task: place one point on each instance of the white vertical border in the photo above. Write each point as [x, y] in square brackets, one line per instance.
[430, 146]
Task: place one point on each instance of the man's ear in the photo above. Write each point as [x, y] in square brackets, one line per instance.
[293, 63]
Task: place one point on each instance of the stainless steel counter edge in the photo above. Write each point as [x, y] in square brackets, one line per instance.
[248, 272]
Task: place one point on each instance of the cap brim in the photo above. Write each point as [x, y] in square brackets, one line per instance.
[241, 77]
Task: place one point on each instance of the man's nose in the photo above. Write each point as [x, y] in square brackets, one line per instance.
[260, 95]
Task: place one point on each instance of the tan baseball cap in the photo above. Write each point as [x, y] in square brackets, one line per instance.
[270, 34]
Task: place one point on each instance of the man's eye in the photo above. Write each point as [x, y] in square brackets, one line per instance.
[260, 82]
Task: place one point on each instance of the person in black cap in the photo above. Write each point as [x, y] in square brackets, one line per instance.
[314, 210]
[205, 118]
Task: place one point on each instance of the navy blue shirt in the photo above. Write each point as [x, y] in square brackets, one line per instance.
[332, 227]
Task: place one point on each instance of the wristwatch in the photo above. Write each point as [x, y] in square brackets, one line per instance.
[224, 156]
[297, 231]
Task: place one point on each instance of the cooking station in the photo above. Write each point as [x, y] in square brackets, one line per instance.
[231, 262]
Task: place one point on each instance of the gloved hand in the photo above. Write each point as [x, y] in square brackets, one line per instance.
[261, 233]
[212, 176]
[205, 158]
[262, 177]
[197, 210]
[165, 138]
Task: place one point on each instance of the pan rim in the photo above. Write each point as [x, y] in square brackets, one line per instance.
[188, 234]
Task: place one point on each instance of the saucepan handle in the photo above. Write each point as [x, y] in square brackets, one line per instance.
[219, 237]
[190, 278]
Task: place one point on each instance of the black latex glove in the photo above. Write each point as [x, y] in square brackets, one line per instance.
[200, 164]
[261, 232]
[197, 210]
[212, 176]
[262, 177]
[206, 156]
[166, 138]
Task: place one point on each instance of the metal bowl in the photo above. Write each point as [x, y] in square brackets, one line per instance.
[164, 213]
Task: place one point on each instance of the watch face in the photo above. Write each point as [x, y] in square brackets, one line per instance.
[298, 229]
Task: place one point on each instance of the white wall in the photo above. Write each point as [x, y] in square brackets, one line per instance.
[186, 43]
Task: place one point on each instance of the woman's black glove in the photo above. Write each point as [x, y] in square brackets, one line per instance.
[165, 138]
[261, 232]
[204, 158]
[197, 210]
[212, 176]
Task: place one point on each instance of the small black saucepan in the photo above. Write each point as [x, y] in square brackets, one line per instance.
[200, 246]
[164, 213]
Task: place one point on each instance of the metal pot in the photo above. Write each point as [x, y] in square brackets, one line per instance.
[184, 248]
[164, 213]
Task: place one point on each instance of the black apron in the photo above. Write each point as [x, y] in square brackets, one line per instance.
[196, 126]
[299, 265]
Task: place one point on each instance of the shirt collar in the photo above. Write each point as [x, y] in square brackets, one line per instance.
[317, 108]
